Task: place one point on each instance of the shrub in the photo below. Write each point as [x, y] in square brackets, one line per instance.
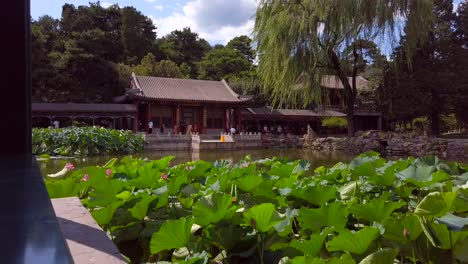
[84, 141]
[335, 122]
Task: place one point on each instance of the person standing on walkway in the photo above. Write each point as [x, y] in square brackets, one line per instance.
[150, 127]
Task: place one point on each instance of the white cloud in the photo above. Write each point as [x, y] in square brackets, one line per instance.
[105, 5]
[159, 7]
[217, 21]
[150, 1]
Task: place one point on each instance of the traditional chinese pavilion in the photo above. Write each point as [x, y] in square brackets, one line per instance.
[208, 106]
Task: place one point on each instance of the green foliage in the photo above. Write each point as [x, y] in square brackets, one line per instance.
[165, 68]
[84, 141]
[354, 213]
[332, 122]
[173, 234]
[224, 63]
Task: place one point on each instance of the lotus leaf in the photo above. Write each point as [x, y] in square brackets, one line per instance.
[173, 234]
[357, 242]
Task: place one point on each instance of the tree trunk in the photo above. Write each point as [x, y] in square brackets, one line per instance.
[350, 114]
[349, 94]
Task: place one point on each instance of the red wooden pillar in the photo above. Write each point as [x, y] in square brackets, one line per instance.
[204, 119]
[148, 116]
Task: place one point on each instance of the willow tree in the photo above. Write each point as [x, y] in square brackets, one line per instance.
[301, 41]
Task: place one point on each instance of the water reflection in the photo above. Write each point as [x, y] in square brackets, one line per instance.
[316, 158]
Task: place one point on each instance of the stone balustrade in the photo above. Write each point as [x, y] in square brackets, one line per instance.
[391, 144]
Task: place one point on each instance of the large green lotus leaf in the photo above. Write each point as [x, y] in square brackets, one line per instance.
[163, 196]
[301, 167]
[282, 170]
[147, 176]
[226, 236]
[432, 161]
[199, 169]
[453, 222]
[316, 195]
[394, 228]
[105, 192]
[330, 174]
[265, 189]
[460, 251]
[311, 247]
[344, 259]
[461, 202]
[422, 176]
[436, 204]
[383, 256]
[63, 188]
[172, 234]
[249, 182]
[357, 242]
[163, 163]
[186, 202]
[174, 183]
[460, 179]
[439, 235]
[386, 174]
[306, 260]
[368, 168]
[334, 215]
[140, 209]
[377, 209]
[213, 208]
[263, 217]
[283, 183]
[104, 216]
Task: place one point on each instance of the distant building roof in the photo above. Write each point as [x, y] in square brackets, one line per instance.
[268, 112]
[82, 108]
[170, 89]
[333, 82]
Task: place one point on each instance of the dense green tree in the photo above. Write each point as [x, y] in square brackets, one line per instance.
[304, 40]
[164, 68]
[184, 46]
[225, 63]
[138, 34]
[432, 79]
[244, 45]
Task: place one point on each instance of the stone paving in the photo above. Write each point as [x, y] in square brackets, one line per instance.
[88, 243]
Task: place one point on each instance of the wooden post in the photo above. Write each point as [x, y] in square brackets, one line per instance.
[178, 116]
[204, 119]
[148, 115]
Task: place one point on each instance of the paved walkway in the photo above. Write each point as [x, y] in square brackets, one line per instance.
[88, 243]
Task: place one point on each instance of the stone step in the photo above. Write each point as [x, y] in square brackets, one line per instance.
[87, 242]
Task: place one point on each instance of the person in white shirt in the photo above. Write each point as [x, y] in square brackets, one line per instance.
[233, 131]
[279, 129]
[189, 129]
[56, 124]
[150, 127]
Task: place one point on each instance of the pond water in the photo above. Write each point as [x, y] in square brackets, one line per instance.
[316, 158]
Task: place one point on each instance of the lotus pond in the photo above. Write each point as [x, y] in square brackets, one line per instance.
[369, 210]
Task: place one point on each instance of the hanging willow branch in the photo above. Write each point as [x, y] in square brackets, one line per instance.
[295, 39]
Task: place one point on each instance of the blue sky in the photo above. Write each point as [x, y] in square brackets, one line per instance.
[218, 21]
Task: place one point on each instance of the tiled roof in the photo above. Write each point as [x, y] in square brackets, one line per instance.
[269, 112]
[169, 89]
[333, 82]
[72, 107]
